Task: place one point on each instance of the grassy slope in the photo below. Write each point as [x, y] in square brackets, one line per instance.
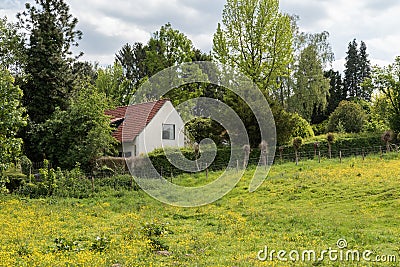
[309, 206]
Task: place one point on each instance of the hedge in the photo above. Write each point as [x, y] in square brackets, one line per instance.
[347, 143]
[162, 165]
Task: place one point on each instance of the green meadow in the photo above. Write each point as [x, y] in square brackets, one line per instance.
[298, 208]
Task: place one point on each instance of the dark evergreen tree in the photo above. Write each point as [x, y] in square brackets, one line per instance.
[365, 72]
[357, 69]
[337, 92]
[49, 67]
[85, 71]
[132, 59]
[50, 80]
[351, 72]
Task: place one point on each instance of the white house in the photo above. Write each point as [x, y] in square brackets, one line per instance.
[141, 128]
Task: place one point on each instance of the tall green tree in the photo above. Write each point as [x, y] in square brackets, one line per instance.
[166, 48]
[311, 87]
[336, 90]
[11, 47]
[81, 133]
[302, 40]
[12, 118]
[365, 72]
[256, 38]
[357, 69]
[387, 80]
[51, 31]
[351, 78]
[112, 82]
[133, 61]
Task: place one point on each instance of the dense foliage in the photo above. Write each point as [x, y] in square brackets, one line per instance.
[348, 117]
[81, 133]
[387, 80]
[65, 98]
[11, 120]
[357, 70]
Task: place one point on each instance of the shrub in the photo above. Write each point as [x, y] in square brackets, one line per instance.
[26, 165]
[221, 160]
[108, 166]
[202, 128]
[301, 128]
[350, 115]
[14, 179]
[330, 137]
[73, 183]
[290, 125]
[41, 185]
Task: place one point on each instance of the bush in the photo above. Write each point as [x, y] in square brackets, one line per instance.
[221, 160]
[352, 143]
[14, 179]
[348, 114]
[42, 185]
[26, 165]
[202, 128]
[290, 125]
[301, 128]
[73, 183]
[107, 166]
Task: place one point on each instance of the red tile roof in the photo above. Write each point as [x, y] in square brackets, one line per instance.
[134, 118]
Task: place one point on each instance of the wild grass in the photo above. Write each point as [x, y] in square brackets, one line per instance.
[309, 206]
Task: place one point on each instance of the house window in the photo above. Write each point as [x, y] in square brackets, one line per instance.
[127, 154]
[168, 132]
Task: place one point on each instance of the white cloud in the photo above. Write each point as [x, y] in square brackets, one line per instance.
[372, 21]
[338, 65]
[107, 25]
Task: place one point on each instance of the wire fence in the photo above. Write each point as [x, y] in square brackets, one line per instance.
[280, 158]
[238, 163]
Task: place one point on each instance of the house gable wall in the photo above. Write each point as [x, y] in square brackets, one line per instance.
[151, 137]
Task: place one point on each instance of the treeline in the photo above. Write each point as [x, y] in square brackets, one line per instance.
[52, 103]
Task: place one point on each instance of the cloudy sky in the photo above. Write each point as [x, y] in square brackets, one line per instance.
[107, 25]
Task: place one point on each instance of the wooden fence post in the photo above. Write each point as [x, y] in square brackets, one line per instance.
[92, 184]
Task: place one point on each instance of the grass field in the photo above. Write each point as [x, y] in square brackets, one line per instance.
[306, 207]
